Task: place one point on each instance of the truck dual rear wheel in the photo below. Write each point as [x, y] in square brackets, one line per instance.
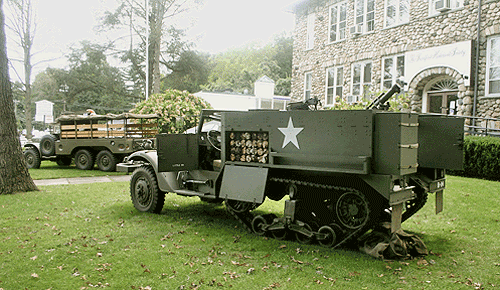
[33, 159]
[144, 190]
[106, 161]
[84, 159]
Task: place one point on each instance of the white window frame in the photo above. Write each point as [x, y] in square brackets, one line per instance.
[336, 84]
[454, 4]
[340, 32]
[365, 13]
[398, 9]
[362, 82]
[311, 19]
[490, 64]
[307, 85]
[395, 72]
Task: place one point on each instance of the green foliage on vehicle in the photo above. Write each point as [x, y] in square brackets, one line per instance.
[398, 103]
[178, 110]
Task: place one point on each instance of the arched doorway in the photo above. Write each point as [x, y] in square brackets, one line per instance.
[440, 90]
[442, 97]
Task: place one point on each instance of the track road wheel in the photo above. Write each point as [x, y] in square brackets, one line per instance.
[106, 161]
[32, 157]
[258, 225]
[331, 238]
[301, 238]
[144, 190]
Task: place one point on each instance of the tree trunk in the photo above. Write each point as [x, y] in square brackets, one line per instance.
[27, 85]
[158, 12]
[14, 175]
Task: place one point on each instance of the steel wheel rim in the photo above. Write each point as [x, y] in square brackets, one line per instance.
[105, 160]
[142, 192]
[83, 159]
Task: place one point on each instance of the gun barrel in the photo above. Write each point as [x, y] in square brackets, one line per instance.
[395, 89]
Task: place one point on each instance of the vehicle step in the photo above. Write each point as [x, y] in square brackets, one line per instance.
[186, 192]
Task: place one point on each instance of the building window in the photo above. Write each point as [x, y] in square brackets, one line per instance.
[397, 12]
[338, 22]
[441, 6]
[334, 81]
[307, 85]
[493, 66]
[365, 15]
[311, 19]
[394, 69]
[273, 104]
[361, 79]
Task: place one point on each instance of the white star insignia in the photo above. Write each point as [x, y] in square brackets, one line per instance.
[290, 134]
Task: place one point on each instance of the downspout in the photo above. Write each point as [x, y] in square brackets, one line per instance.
[476, 73]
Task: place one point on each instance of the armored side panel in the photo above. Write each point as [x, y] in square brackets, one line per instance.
[441, 142]
[244, 183]
[177, 152]
[328, 141]
[395, 142]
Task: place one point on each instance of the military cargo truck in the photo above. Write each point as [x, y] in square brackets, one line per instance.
[340, 172]
[94, 139]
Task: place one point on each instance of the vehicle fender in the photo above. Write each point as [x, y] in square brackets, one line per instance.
[167, 181]
[32, 145]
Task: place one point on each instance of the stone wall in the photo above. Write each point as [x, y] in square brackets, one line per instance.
[423, 31]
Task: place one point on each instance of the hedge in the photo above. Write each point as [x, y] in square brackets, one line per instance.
[481, 158]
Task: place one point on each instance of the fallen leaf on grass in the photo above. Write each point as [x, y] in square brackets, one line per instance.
[34, 275]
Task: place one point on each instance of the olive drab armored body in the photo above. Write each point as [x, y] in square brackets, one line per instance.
[340, 172]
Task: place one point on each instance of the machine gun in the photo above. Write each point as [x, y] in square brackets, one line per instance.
[304, 105]
[380, 102]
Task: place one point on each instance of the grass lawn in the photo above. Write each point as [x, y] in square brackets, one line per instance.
[50, 170]
[86, 236]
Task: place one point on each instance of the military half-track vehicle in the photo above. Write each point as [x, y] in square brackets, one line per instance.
[91, 139]
[340, 172]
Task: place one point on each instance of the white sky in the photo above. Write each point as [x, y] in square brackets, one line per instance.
[215, 26]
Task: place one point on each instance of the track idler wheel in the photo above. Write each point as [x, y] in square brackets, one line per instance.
[259, 225]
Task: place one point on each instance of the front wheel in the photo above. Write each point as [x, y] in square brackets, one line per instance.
[144, 190]
[33, 159]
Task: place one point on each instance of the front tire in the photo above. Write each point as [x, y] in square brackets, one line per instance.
[144, 190]
[33, 159]
[84, 159]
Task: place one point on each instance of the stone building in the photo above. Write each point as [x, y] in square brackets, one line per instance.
[354, 49]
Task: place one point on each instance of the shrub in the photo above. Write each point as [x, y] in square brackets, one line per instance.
[178, 110]
[481, 158]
